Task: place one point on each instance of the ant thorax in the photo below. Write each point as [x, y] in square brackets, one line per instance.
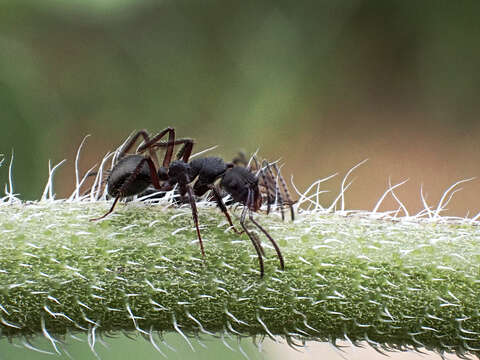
[208, 169]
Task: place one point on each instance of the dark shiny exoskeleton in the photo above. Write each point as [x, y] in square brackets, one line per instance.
[237, 181]
[117, 181]
[132, 174]
[207, 169]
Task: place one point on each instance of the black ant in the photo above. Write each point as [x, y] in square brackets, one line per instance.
[238, 181]
[133, 173]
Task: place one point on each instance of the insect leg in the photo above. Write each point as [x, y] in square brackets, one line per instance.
[285, 189]
[132, 141]
[250, 200]
[171, 140]
[255, 242]
[278, 196]
[109, 211]
[275, 245]
[195, 216]
[222, 207]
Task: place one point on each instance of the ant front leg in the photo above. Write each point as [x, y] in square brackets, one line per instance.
[256, 243]
[285, 190]
[250, 202]
[223, 207]
[275, 245]
[277, 197]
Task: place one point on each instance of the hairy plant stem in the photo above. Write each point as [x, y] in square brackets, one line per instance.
[396, 284]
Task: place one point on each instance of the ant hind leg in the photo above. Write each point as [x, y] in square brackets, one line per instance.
[223, 207]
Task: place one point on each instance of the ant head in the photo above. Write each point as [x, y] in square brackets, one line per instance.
[239, 182]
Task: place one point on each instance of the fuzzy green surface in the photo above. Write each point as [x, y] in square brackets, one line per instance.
[394, 284]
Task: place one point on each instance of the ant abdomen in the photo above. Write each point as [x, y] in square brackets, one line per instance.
[122, 172]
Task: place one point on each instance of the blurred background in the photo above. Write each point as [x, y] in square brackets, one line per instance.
[322, 85]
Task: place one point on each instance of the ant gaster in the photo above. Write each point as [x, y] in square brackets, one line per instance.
[237, 181]
[133, 173]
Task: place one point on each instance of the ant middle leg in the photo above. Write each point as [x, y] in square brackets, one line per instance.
[274, 243]
[193, 206]
[223, 207]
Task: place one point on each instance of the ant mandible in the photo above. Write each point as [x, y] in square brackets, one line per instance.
[237, 181]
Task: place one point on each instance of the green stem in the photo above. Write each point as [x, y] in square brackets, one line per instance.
[399, 284]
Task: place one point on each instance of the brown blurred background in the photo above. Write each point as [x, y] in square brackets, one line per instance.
[321, 84]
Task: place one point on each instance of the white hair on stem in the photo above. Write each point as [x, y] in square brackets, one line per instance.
[48, 191]
[309, 202]
[28, 345]
[203, 151]
[389, 190]
[177, 329]
[402, 206]
[343, 188]
[10, 196]
[154, 343]
[427, 208]
[441, 206]
[92, 338]
[304, 196]
[340, 196]
[49, 337]
[76, 193]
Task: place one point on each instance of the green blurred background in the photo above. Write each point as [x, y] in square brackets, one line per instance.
[320, 84]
